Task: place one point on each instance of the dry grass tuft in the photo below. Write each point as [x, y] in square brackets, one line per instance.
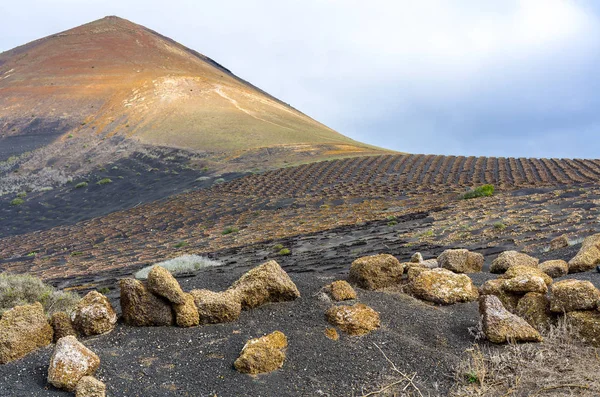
[560, 366]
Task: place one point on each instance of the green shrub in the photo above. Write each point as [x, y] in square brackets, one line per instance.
[22, 195]
[180, 244]
[481, 191]
[104, 290]
[17, 290]
[230, 229]
[17, 201]
[278, 247]
[81, 185]
[285, 251]
[184, 263]
[499, 226]
[104, 181]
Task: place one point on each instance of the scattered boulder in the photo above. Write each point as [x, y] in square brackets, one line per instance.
[261, 355]
[216, 307]
[430, 263]
[501, 326]
[571, 295]
[526, 271]
[70, 362]
[523, 284]
[586, 325]
[23, 329]
[376, 271]
[186, 315]
[535, 309]
[141, 308]
[340, 290]
[265, 283]
[357, 319]
[94, 315]
[443, 286]
[416, 258]
[461, 261]
[88, 386]
[508, 259]
[559, 242]
[495, 287]
[555, 268]
[162, 283]
[588, 256]
[61, 323]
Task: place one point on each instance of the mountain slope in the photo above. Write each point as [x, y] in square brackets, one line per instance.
[113, 77]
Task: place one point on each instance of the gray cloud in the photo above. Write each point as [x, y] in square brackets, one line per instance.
[506, 78]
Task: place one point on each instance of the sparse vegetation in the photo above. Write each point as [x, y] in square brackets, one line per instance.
[81, 185]
[285, 252]
[16, 290]
[104, 181]
[230, 229]
[184, 263]
[17, 201]
[180, 244]
[22, 194]
[481, 191]
[278, 247]
[104, 290]
[499, 226]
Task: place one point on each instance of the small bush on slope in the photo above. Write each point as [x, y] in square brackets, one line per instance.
[16, 290]
[481, 191]
[184, 263]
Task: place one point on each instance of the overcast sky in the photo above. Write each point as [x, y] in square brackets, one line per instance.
[471, 77]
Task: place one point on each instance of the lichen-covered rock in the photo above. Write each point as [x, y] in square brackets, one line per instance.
[570, 295]
[535, 309]
[430, 263]
[461, 261]
[186, 315]
[88, 386]
[526, 271]
[376, 271]
[23, 329]
[501, 326]
[340, 290]
[94, 315]
[555, 268]
[61, 323]
[523, 284]
[70, 362]
[416, 258]
[508, 259]
[141, 308]
[494, 287]
[588, 256]
[586, 325]
[162, 283]
[332, 334]
[444, 287]
[262, 355]
[559, 242]
[357, 319]
[216, 307]
[265, 283]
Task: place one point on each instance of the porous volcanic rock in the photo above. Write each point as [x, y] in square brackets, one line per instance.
[588, 256]
[261, 355]
[508, 259]
[88, 386]
[494, 287]
[526, 271]
[559, 242]
[186, 315]
[340, 290]
[586, 324]
[501, 326]
[216, 307]
[430, 263]
[570, 295]
[413, 271]
[461, 261]
[331, 333]
[535, 309]
[70, 362]
[443, 286]
[23, 329]
[523, 284]
[376, 271]
[265, 283]
[94, 315]
[141, 308]
[61, 323]
[555, 268]
[358, 319]
[416, 258]
[162, 283]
